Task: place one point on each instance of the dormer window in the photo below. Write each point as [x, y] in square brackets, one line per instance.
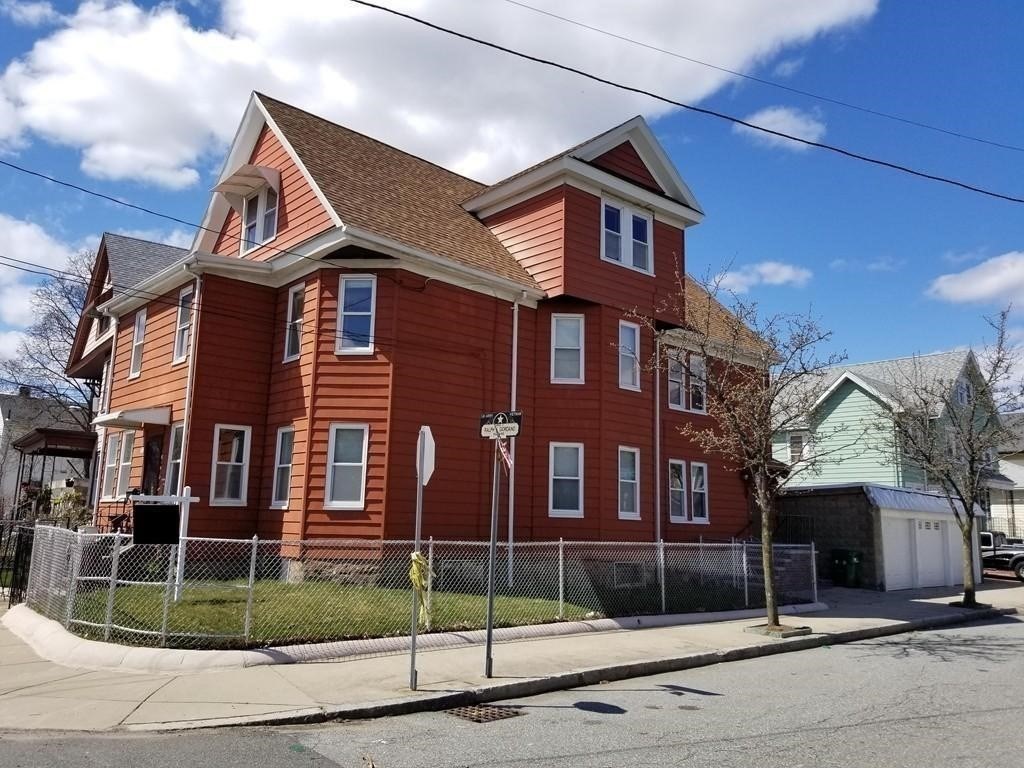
[626, 237]
[964, 391]
[260, 219]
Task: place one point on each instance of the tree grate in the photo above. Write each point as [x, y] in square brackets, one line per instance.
[485, 713]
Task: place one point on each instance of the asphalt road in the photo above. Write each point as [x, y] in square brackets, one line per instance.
[949, 697]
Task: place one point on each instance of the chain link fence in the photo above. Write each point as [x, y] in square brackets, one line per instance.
[255, 593]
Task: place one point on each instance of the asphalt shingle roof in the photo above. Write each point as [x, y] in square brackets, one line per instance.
[377, 187]
[132, 260]
[1015, 423]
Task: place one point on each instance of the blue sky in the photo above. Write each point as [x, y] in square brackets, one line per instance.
[139, 101]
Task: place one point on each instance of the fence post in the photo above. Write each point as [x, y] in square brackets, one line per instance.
[179, 581]
[661, 571]
[700, 560]
[746, 580]
[252, 585]
[430, 581]
[814, 574]
[167, 594]
[561, 578]
[76, 569]
[732, 558]
[113, 586]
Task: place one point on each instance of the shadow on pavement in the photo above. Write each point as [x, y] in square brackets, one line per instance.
[937, 645]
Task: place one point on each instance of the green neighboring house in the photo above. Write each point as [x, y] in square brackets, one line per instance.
[847, 421]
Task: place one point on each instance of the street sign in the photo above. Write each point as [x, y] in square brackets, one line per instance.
[425, 455]
[498, 426]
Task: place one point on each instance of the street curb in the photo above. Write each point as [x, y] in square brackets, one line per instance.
[578, 678]
[50, 640]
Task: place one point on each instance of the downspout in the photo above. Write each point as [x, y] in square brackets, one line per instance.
[657, 440]
[193, 353]
[513, 393]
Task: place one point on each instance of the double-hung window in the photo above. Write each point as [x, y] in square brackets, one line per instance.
[124, 470]
[293, 326]
[565, 489]
[230, 465]
[357, 298]
[676, 383]
[567, 349]
[799, 446]
[110, 466]
[259, 219]
[626, 237]
[183, 324]
[698, 492]
[283, 467]
[698, 385]
[174, 459]
[629, 355]
[138, 336]
[677, 512]
[629, 483]
[346, 466]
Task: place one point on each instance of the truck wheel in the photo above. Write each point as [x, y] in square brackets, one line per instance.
[1018, 569]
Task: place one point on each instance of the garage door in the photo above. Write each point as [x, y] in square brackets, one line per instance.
[899, 561]
[932, 553]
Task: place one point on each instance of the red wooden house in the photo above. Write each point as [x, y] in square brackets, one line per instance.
[342, 293]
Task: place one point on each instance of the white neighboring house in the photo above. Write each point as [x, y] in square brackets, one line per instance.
[1006, 511]
[19, 414]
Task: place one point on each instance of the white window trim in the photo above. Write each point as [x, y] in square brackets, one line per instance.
[624, 515]
[566, 513]
[636, 359]
[626, 214]
[124, 465]
[274, 502]
[261, 208]
[685, 489]
[329, 479]
[180, 354]
[682, 381]
[244, 485]
[806, 450]
[299, 289]
[703, 386]
[706, 520]
[168, 488]
[138, 339]
[369, 348]
[113, 452]
[554, 320]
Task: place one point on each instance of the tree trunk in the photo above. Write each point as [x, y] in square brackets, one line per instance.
[765, 503]
[967, 536]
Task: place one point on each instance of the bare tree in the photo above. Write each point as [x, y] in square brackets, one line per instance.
[41, 357]
[758, 375]
[948, 426]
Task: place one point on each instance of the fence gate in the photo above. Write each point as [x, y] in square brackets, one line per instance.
[21, 543]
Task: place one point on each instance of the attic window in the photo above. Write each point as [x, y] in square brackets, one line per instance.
[259, 219]
[626, 237]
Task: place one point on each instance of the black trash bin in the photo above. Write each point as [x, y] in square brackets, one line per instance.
[853, 568]
[840, 567]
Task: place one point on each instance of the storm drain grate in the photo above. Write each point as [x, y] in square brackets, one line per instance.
[485, 713]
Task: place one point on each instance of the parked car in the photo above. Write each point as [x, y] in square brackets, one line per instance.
[997, 553]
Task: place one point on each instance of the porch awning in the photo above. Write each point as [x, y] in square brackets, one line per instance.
[993, 479]
[134, 418]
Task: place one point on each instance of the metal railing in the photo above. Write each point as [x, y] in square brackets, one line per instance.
[254, 593]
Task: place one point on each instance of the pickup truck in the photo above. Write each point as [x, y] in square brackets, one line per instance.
[998, 555]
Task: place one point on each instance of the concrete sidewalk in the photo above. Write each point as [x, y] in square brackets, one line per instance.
[38, 694]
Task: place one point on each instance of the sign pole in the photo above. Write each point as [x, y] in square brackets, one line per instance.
[495, 482]
[424, 469]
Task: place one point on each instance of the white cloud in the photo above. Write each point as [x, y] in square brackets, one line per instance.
[787, 120]
[788, 67]
[145, 95]
[16, 305]
[1000, 278]
[177, 237]
[25, 241]
[766, 273]
[29, 14]
[9, 341]
[885, 264]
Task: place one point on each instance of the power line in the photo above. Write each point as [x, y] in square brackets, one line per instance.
[771, 83]
[700, 110]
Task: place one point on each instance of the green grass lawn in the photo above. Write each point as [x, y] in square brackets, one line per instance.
[303, 612]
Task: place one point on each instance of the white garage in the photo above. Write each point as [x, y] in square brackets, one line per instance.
[920, 540]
